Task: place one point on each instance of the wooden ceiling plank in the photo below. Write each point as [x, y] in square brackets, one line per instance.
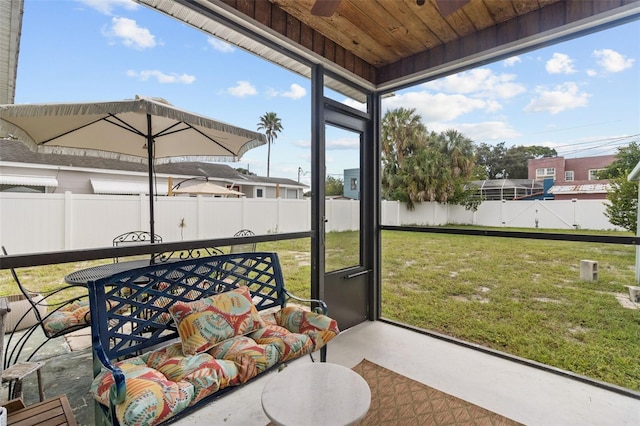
[306, 36]
[487, 38]
[430, 16]
[366, 15]
[523, 7]
[528, 25]
[394, 31]
[481, 17]
[552, 16]
[335, 28]
[604, 5]
[577, 10]
[390, 39]
[405, 13]
[500, 10]
[263, 12]
[329, 48]
[507, 32]
[460, 23]
[293, 29]
[279, 20]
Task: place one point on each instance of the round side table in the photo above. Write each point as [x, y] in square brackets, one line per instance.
[316, 394]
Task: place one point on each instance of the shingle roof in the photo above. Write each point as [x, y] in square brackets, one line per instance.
[16, 151]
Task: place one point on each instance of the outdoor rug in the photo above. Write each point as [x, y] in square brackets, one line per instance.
[398, 400]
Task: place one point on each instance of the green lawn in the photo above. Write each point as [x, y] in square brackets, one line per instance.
[523, 297]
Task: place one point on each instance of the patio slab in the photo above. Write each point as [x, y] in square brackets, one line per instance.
[520, 392]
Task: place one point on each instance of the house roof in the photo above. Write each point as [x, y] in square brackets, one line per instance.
[508, 183]
[17, 152]
[592, 188]
[11, 12]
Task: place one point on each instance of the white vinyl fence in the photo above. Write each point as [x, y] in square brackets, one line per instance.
[31, 223]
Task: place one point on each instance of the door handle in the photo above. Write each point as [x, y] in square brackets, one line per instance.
[356, 274]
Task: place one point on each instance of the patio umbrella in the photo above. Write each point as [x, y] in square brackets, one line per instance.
[142, 129]
[206, 188]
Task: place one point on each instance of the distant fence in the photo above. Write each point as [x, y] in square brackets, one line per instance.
[31, 223]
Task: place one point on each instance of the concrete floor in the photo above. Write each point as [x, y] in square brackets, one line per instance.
[522, 393]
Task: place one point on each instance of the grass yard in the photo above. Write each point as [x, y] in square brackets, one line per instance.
[523, 297]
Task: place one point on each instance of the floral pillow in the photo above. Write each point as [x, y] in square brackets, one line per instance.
[206, 322]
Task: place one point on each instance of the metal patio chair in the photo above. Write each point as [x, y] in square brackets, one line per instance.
[244, 247]
[135, 237]
[54, 316]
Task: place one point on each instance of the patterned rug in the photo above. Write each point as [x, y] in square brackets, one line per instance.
[398, 400]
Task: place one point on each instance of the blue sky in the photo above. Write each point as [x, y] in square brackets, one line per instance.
[581, 97]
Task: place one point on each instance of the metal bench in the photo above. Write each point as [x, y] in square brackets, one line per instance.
[135, 318]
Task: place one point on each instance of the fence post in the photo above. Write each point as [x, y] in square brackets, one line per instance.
[243, 209]
[201, 216]
[68, 221]
[278, 206]
[143, 205]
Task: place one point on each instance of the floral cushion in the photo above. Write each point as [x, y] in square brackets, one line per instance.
[291, 345]
[71, 315]
[320, 328]
[205, 373]
[206, 322]
[151, 398]
[250, 357]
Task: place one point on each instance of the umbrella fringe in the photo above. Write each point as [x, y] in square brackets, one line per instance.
[140, 105]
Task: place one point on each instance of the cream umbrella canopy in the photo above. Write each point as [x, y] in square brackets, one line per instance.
[140, 130]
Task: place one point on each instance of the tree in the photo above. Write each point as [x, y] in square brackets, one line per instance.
[623, 196]
[500, 162]
[333, 186]
[418, 165]
[402, 132]
[244, 171]
[272, 125]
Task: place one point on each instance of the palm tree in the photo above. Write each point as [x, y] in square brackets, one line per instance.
[272, 125]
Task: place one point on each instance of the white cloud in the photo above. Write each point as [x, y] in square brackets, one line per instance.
[241, 89]
[295, 92]
[592, 72]
[512, 61]
[560, 98]
[488, 131]
[436, 107]
[130, 34]
[107, 7]
[560, 64]
[162, 77]
[612, 61]
[343, 143]
[302, 143]
[479, 82]
[220, 45]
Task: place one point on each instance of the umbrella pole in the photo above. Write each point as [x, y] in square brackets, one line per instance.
[150, 142]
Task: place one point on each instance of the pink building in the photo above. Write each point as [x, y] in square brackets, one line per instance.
[573, 177]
